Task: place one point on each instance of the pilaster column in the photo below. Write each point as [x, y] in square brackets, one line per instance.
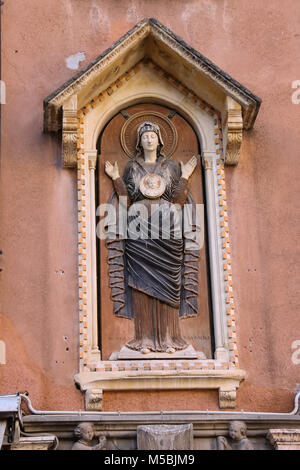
[209, 164]
[92, 163]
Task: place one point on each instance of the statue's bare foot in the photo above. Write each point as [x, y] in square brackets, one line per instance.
[145, 351]
[170, 350]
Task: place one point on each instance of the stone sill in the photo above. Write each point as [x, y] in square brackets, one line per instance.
[226, 381]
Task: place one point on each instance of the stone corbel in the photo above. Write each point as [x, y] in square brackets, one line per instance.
[227, 397]
[69, 133]
[93, 399]
[234, 131]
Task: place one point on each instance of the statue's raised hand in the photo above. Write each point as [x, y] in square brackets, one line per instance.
[112, 170]
[188, 168]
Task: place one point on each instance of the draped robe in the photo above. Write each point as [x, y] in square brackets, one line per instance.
[154, 279]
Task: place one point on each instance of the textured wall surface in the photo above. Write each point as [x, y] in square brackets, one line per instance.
[257, 43]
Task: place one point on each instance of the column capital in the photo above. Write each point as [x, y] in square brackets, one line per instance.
[208, 159]
[92, 158]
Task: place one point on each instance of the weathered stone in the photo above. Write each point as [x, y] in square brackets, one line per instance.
[238, 440]
[165, 437]
[284, 439]
[35, 443]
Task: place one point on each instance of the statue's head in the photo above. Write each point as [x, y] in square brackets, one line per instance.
[84, 431]
[237, 430]
[149, 137]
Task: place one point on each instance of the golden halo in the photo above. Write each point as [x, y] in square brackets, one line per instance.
[168, 131]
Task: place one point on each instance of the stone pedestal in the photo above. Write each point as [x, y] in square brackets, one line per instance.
[165, 437]
[130, 354]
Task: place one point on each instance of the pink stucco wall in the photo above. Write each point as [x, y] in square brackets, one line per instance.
[258, 44]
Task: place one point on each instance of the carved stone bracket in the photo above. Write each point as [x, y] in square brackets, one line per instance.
[93, 399]
[227, 397]
[69, 134]
[234, 131]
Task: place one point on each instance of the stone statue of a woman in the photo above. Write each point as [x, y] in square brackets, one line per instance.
[156, 280]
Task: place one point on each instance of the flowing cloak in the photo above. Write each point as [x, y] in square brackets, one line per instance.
[161, 266]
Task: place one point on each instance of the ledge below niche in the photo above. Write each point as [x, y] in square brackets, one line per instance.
[159, 375]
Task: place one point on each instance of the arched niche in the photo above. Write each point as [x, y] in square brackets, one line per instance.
[111, 83]
[116, 330]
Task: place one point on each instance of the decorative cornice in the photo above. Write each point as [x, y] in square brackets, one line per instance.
[99, 64]
[241, 94]
[147, 28]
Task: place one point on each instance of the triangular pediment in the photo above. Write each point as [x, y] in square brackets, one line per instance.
[150, 39]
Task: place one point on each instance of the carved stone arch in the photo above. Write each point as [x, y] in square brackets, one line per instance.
[198, 329]
[204, 128]
[157, 98]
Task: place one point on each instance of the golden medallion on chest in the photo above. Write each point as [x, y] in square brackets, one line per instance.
[152, 185]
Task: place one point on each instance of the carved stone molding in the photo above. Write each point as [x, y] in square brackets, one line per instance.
[141, 39]
[284, 439]
[234, 132]
[250, 102]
